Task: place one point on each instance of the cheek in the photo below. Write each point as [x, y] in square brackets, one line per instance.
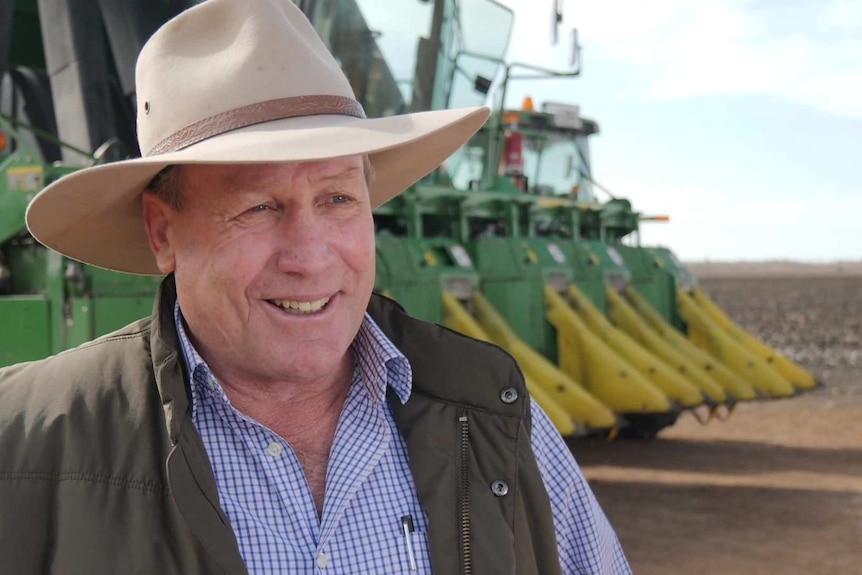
[357, 246]
[213, 260]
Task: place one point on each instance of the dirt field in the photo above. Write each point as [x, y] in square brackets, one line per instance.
[777, 489]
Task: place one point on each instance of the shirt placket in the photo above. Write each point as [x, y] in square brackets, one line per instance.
[353, 458]
[284, 473]
[281, 472]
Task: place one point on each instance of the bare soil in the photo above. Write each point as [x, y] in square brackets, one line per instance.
[775, 489]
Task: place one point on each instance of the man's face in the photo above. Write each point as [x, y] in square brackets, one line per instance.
[274, 265]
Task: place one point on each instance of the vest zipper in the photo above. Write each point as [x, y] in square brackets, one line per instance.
[464, 497]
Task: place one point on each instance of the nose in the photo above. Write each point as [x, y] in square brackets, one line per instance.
[303, 243]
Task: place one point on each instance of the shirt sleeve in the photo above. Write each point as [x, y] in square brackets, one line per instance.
[586, 541]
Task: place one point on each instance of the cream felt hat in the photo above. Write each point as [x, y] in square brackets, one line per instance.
[235, 81]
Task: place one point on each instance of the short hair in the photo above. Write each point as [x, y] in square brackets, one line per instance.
[167, 185]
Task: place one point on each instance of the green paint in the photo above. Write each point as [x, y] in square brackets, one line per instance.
[25, 333]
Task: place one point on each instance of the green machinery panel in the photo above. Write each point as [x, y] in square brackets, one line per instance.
[112, 313]
[58, 304]
[415, 271]
[403, 272]
[28, 265]
[102, 282]
[652, 281]
[513, 282]
[21, 181]
[587, 271]
[558, 273]
[614, 270]
[25, 328]
[102, 301]
[92, 317]
[667, 261]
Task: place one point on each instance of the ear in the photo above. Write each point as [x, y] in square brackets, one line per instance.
[158, 222]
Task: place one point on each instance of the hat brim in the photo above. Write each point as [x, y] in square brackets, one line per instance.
[95, 216]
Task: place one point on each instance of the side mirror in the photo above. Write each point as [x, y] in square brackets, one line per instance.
[482, 84]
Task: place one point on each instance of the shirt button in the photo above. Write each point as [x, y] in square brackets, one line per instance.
[274, 449]
[322, 560]
[212, 385]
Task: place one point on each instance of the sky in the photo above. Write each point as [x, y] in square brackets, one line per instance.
[740, 119]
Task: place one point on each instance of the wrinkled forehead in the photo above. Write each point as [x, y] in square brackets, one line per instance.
[348, 173]
[239, 176]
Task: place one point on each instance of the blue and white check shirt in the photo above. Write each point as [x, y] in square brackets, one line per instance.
[369, 487]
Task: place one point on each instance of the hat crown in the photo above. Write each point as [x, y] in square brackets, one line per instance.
[223, 55]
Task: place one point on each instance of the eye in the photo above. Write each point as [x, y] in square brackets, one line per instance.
[259, 209]
[339, 199]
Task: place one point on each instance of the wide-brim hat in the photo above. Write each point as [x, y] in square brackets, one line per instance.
[230, 82]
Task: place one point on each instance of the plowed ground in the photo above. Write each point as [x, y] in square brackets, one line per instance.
[776, 489]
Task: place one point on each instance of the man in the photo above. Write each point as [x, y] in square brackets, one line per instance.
[260, 421]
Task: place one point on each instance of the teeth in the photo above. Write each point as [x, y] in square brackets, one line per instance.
[301, 306]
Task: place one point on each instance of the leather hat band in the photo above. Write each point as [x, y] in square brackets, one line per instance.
[268, 111]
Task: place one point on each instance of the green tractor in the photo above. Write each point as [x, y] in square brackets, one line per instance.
[648, 298]
[504, 242]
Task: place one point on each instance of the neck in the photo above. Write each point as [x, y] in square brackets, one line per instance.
[291, 408]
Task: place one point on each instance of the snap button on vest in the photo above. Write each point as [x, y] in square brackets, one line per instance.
[499, 488]
[509, 395]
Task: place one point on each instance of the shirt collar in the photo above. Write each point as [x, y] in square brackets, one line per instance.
[378, 362]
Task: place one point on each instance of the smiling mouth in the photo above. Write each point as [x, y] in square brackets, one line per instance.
[300, 307]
